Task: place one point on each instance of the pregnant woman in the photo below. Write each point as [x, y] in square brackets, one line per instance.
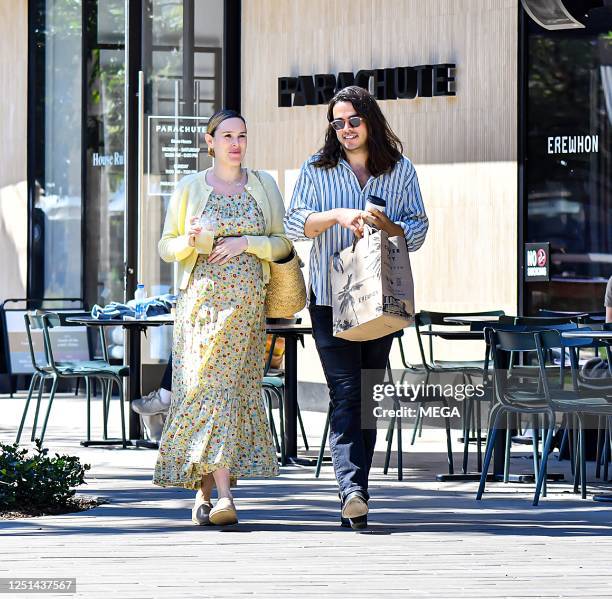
[223, 226]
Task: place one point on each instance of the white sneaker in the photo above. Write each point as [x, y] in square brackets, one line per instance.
[150, 404]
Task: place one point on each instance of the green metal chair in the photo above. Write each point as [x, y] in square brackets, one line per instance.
[527, 372]
[41, 374]
[273, 387]
[396, 422]
[50, 369]
[546, 400]
[427, 320]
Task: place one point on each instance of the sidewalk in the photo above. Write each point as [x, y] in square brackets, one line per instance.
[426, 539]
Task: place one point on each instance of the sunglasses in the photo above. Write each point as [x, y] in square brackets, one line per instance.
[353, 121]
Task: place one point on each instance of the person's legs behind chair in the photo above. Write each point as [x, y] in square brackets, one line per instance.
[158, 401]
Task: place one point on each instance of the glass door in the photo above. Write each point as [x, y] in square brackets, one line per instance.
[115, 122]
[180, 86]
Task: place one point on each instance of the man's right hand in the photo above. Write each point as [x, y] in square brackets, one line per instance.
[350, 219]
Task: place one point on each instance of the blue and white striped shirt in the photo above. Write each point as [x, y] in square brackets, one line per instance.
[319, 190]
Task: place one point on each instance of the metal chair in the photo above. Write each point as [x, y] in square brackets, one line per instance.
[546, 400]
[396, 422]
[527, 372]
[89, 370]
[427, 320]
[273, 387]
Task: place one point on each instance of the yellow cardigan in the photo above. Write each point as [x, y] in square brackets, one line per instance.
[189, 199]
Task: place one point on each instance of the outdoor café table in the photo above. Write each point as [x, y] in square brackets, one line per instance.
[605, 337]
[290, 332]
[134, 328]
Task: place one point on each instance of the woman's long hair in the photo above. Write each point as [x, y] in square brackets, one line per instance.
[384, 147]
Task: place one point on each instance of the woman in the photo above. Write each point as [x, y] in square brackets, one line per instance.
[223, 226]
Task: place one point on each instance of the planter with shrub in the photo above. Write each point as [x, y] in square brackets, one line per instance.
[34, 484]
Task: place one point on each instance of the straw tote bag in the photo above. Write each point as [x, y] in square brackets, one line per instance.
[286, 290]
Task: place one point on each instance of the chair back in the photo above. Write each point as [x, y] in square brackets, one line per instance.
[501, 343]
[46, 321]
[548, 340]
[50, 320]
[429, 319]
[524, 339]
[270, 356]
[407, 365]
[34, 322]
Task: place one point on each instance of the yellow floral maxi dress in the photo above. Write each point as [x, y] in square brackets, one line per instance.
[217, 417]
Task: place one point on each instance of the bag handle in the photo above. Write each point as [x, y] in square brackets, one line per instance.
[291, 254]
[367, 232]
[256, 173]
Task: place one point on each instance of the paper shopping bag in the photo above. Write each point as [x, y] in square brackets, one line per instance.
[372, 287]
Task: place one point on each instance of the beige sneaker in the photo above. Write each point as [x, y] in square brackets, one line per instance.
[224, 512]
[201, 510]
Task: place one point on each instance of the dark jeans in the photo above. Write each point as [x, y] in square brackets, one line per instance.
[166, 382]
[352, 447]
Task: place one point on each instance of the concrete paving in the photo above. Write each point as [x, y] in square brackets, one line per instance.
[426, 538]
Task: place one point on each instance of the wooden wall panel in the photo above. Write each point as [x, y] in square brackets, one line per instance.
[305, 37]
[464, 148]
[13, 128]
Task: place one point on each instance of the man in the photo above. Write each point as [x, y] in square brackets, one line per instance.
[361, 156]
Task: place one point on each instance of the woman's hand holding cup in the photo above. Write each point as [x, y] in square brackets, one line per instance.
[194, 229]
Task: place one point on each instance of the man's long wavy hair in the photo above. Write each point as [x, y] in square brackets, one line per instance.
[384, 147]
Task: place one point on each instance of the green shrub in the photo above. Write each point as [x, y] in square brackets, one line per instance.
[37, 481]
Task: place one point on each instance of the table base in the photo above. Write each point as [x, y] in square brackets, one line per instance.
[295, 461]
[606, 498]
[105, 442]
[497, 478]
[146, 444]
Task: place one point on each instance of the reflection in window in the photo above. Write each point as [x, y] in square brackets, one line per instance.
[569, 161]
[104, 152]
[57, 209]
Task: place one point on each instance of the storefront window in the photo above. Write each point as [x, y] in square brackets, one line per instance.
[78, 246]
[56, 212]
[104, 151]
[569, 163]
